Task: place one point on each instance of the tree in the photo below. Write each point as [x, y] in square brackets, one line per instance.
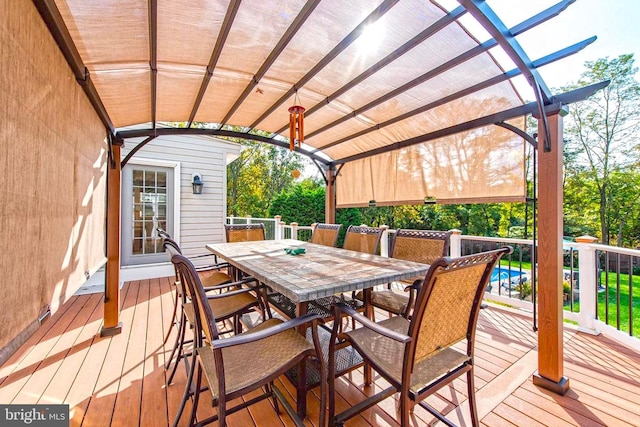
[602, 134]
[260, 173]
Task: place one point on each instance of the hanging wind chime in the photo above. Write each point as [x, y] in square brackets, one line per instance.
[296, 124]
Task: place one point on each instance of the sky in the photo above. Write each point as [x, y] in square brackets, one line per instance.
[616, 23]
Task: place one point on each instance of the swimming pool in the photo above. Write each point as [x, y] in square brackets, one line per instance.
[506, 276]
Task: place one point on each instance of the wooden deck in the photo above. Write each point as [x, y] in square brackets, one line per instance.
[120, 381]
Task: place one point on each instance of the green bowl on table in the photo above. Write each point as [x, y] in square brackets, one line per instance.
[294, 251]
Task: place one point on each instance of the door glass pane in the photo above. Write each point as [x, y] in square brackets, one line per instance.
[149, 210]
[138, 178]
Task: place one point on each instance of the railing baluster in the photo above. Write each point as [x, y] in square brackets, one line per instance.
[631, 295]
[606, 288]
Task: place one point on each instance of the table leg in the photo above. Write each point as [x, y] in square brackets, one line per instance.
[301, 390]
[368, 311]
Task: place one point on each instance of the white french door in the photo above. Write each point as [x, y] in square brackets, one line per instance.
[147, 204]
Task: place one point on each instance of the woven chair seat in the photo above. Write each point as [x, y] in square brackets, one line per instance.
[216, 278]
[224, 307]
[247, 364]
[388, 300]
[389, 354]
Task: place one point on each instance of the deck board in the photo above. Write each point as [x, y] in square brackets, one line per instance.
[121, 380]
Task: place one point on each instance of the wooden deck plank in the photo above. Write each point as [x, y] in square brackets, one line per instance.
[554, 409]
[127, 406]
[153, 410]
[61, 382]
[29, 364]
[16, 359]
[37, 382]
[516, 417]
[493, 420]
[99, 407]
[539, 414]
[68, 362]
[593, 408]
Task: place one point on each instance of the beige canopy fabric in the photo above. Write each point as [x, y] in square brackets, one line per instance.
[372, 74]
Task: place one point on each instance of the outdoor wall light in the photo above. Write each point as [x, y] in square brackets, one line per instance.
[197, 183]
[429, 200]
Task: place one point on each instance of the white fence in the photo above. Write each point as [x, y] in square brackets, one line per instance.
[585, 276]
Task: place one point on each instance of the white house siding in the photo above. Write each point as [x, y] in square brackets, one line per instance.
[200, 217]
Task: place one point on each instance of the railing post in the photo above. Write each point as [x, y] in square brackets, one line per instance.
[248, 219]
[587, 281]
[455, 243]
[230, 217]
[294, 230]
[277, 229]
[384, 241]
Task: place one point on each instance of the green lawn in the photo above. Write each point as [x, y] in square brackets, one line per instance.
[611, 299]
[607, 299]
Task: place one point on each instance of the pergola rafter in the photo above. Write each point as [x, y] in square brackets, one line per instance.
[344, 43]
[415, 41]
[282, 43]
[232, 10]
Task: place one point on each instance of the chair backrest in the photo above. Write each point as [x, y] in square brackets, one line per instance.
[244, 232]
[326, 234]
[448, 303]
[205, 319]
[162, 234]
[423, 246]
[172, 248]
[362, 239]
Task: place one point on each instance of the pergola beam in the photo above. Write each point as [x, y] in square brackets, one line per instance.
[378, 13]
[229, 17]
[293, 29]
[481, 11]
[153, 57]
[138, 133]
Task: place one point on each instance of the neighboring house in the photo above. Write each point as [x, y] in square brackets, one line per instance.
[157, 192]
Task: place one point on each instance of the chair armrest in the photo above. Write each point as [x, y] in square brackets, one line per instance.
[367, 323]
[415, 286]
[229, 294]
[230, 284]
[249, 336]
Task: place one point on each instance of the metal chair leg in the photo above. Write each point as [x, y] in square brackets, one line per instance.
[187, 391]
[173, 319]
[177, 342]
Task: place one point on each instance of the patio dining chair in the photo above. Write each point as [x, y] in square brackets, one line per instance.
[419, 356]
[326, 234]
[230, 303]
[236, 366]
[215, 275]
[362, 239]
[244, 232]
[424, 246]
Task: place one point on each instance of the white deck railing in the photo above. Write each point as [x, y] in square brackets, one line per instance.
[585, 278]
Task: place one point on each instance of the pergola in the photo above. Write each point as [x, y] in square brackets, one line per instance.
[400, 118]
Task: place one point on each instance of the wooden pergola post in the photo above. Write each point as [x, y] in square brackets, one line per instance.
[330, 197]
[112, 325]
[550, 373]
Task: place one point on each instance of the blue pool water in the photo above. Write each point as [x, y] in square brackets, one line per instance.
[505, 275]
